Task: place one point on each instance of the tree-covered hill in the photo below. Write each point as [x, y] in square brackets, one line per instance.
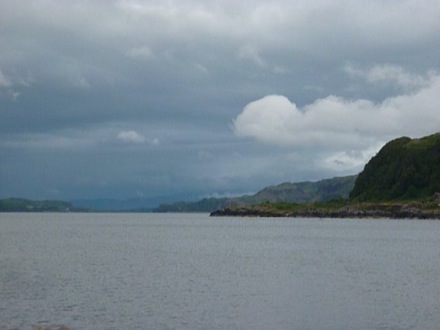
[403, 169]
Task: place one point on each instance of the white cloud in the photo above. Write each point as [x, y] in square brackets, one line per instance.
[337, 124]
[180, 68]
[348, 160]
[389, 74]
[270, 119]
[130, 137]
[76, 139]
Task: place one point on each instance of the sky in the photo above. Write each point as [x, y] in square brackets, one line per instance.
[192, 99]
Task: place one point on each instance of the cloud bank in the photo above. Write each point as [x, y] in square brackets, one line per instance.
[112, 98]
[335, 123]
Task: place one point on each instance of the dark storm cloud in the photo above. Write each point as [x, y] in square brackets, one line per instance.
[125, 98]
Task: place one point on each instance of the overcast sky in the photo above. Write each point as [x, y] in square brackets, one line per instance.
[194, 98]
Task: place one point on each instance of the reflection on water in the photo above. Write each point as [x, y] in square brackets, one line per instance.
[189, 271]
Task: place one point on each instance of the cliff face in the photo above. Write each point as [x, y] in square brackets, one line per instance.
[403, 169]
[407, 210]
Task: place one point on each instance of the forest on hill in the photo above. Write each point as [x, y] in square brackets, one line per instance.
[401, 181]
[404, 169]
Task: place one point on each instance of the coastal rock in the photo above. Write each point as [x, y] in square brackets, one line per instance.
[351, 211]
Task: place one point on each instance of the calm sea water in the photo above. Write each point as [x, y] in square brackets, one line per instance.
[190, 271]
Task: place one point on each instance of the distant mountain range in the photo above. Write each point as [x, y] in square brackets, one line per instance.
[81, 205]
[403, 170]
[140, 204]
[300, 192]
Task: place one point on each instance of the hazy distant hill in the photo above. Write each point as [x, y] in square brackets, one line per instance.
[204, 205]
[26, 205]
[403, 169]
[117, 205]
[306, 192]
[301, 192]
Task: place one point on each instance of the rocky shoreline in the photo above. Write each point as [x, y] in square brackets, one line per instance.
[351, 211]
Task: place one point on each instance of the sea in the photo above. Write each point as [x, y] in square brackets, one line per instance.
[192, 271]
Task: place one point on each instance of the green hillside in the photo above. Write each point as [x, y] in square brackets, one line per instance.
[403, 169]
[306, 192]
[300, 192]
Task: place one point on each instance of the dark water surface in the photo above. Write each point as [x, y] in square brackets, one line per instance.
[189, 271]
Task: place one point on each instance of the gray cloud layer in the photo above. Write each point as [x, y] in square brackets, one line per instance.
[126, 98]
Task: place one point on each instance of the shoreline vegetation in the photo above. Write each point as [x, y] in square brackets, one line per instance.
[429, 209]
